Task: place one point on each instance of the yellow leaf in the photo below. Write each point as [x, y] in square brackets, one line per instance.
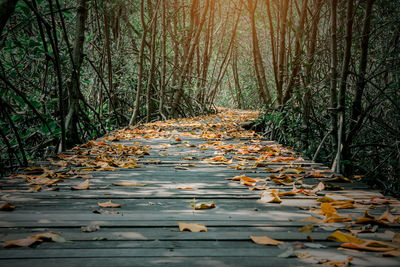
[192, 227]
[307, 228]
[264, 240]
[341, 237]
[82, 186]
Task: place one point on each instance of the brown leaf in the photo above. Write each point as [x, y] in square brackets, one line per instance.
[82, 186]
[181, 168]
[202, 205]
[127, 183]
[50, 236]
[26, 242]
[393, 253]
[7, 207]
[192, 227]
[108, 204]
[270, 197]
[90, 228]
[264, 240]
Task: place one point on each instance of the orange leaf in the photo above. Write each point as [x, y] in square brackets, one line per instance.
[82, 186]
[108, 204]
[192, 227]
[264, 240]
[188, 188]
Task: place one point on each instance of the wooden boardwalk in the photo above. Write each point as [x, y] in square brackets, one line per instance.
[200, 155]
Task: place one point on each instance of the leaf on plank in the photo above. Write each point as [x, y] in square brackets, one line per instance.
[185, 187]
[270, 197]
[265, 240]
[82, 186]
[307, 228]
[108, 204]
[50, 236]
[393, 253]
[26, 242]
[90, 228]
[192, 227]
[181, 168]
[127, 183]
[202, 205]
[7, 207]
[341, 237]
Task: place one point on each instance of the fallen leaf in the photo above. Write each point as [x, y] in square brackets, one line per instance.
[366, 247]
[90, 228]
[82, 186]
[307, 228]
[7, 207]
[50, 236]
[386, 216]
[270, 197]
[26, 242]
[311, 219]
[127, 183]
[101, 211]
[393, 253]
[187, 188]
[192, 227]
[341, 237]
[264, 240]
[108, 204]
[202, 205]
[181, 168]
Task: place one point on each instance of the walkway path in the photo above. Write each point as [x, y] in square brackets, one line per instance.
[159, 171]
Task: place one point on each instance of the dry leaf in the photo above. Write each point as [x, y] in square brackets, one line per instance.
[341, 237]
[7, 207]
[307, 228]
[127, 183]
[50, 236]
[90, 228]
[108, 204]
[202, 205]
[26, 242]
[264, 240]
[270, 197]
[393, 253]
[192, 227]
[311, 219]
[82, 186]
[187, 188]
[181, 168]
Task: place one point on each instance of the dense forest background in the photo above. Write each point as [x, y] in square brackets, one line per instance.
[325, 74]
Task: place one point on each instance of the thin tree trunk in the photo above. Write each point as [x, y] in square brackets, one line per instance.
[343, 85]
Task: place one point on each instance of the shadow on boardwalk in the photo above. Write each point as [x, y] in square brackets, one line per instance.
[156, 172]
